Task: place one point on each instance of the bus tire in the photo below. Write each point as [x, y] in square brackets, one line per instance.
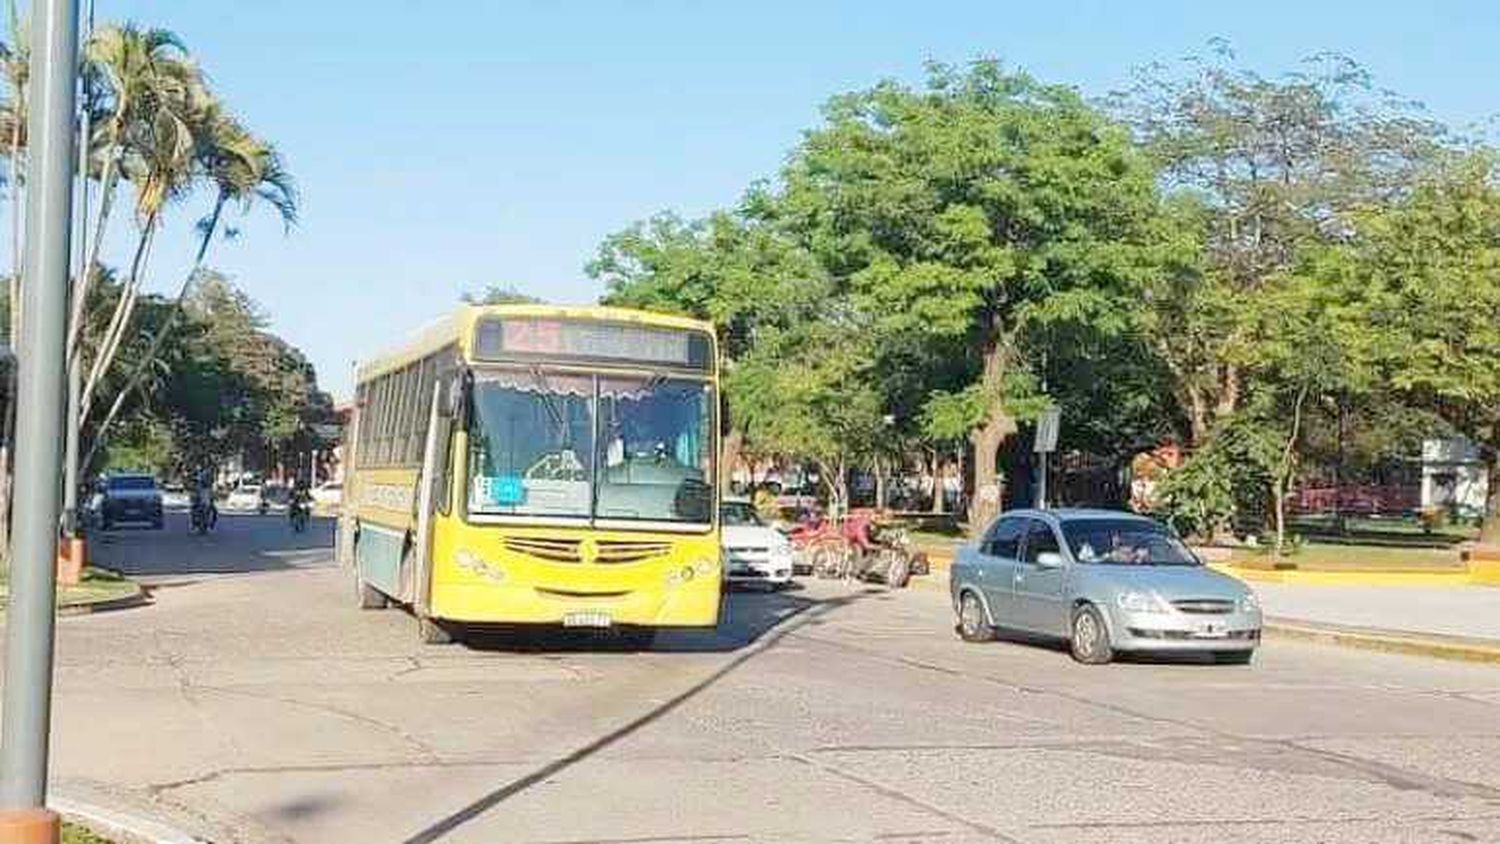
[368, 597]
[432, 632]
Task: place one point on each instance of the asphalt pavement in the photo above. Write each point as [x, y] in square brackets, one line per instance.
[251, 702]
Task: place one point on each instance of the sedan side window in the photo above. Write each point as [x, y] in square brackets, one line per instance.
[1040, 539]
[1004, 539]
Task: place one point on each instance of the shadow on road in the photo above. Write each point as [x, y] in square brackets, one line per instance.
[747, 616]
[808, 611]
[241, 543]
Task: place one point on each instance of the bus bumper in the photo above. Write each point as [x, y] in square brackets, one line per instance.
[693, 604]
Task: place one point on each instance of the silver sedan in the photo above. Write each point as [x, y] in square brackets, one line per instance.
[1104, 581]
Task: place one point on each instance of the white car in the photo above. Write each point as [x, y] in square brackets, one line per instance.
[244, 497]
[328, 494]
[754, 552]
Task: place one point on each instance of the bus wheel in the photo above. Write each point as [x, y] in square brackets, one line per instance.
[432, 632]
[369, 598]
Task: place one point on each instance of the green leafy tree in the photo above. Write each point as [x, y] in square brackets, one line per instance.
[1432, 298]
[748, 278]
[499, 294]
[1260, 170]
[966, 212]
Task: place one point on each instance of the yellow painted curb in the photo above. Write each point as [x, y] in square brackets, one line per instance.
[1295, 577]
[1436, 647]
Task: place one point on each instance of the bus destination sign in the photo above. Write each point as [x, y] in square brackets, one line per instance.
[541, 338]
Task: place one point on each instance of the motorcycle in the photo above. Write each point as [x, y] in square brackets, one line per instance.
[297, 513]
[200, 519]
[877, 551]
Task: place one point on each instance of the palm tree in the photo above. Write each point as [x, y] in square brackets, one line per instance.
[245, 170]
[154, 95]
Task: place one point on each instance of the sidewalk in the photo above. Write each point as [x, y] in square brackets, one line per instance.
[1468, 611]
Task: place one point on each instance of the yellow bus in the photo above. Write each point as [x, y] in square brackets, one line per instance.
[538, 465]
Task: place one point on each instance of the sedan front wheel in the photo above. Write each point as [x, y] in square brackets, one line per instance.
[1089, 643]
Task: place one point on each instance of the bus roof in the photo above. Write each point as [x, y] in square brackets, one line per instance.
[452, 328]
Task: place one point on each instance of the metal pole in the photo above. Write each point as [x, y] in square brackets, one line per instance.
[1041, 483]
[72, 425]
[26, 718]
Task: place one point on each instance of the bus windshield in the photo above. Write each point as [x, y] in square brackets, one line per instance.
[628, 448]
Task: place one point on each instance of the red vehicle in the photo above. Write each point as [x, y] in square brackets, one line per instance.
[862, 547]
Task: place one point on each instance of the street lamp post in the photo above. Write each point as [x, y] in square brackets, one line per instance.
[26, 718]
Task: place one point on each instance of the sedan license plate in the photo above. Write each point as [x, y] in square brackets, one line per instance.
[1211, 630]
[587, 619]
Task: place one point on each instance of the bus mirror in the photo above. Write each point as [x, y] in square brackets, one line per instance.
[458, 397]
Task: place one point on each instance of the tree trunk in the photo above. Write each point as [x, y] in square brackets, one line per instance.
[137, 373]
[1229, 394]
[1489, 529]
[936, 474]
[959, 505]
[119, 321]
[1284, 470]
[990, 436]
[1197, 417]
[879, 484]
[109, 180]
[729, 456]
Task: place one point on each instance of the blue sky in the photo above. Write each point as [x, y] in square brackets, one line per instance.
[444, 146]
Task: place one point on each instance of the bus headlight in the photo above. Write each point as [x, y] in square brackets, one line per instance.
[679, 576]
[705, 567]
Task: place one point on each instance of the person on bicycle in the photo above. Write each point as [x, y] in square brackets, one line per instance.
[203, 498]
[299, 501]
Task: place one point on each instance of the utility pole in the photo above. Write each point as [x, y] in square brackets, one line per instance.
[72, 425]
[25, 722]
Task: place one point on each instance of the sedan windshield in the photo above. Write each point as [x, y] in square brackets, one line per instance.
[132, 482]
[740, 514]
[607, 447]
[1125, 542]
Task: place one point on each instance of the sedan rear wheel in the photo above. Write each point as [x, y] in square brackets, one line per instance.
[1090, 641]
[973, 626]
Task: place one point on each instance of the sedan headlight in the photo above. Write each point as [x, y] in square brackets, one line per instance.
[1249, 603]
[1140, 602]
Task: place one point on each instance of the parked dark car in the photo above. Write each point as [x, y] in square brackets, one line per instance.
[131, 498]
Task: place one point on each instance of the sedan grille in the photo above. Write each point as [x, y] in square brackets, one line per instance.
[1205, 606]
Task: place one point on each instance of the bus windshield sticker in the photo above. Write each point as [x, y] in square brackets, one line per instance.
[499, 490]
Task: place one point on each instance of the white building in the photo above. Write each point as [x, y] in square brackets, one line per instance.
[1453, 476]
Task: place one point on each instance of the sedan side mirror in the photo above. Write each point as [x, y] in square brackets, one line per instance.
[1049, 560]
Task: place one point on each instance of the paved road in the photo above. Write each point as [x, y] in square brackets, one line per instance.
[251, 702]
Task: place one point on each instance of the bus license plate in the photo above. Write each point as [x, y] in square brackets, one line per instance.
[587, 619]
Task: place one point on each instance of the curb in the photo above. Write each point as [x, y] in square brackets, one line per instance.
[119, 823]
[127, 602]
[1388, 641]
[1294, 577]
